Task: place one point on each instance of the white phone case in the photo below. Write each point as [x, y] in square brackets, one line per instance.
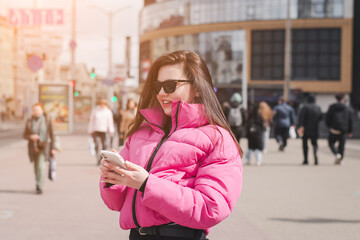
[113, 158]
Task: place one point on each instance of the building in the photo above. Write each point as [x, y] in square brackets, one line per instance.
[244, 40]
[7, 69]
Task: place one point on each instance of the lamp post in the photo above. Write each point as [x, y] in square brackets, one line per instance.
[287, 64]
[110, 15]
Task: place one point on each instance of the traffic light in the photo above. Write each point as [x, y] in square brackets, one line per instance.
[114, 98]
[93, 74]
[76, 93]
[72, 83]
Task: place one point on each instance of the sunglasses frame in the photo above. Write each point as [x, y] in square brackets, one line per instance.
[157, 83]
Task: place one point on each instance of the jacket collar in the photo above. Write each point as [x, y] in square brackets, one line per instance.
[183, 115]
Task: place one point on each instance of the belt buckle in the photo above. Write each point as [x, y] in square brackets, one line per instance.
[141, 233]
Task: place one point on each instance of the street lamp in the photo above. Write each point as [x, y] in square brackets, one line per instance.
[287, 67]
[110, 15]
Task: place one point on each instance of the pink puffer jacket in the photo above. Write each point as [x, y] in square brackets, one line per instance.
[195, 178]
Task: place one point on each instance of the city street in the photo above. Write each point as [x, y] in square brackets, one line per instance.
[281, 200]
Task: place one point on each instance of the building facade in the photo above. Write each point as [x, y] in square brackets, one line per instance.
[244, 40]
[7, 69]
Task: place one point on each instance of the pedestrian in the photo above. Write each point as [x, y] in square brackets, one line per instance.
[38, 132]
[127, 117]
[101, 122]
[255, 134]
[236, 115]
[308, 127]
[339, 121]
[267, 117]
[180, 135]
[284, 118]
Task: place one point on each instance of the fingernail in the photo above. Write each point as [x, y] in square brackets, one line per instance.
[105, 164]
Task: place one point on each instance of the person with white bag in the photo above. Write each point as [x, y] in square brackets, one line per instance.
[284, 118]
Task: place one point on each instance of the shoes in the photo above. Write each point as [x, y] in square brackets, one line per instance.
[316, 160]
[338, 158]
[281, 148]
[248, 163]
[305, 163]
[258, 164]
[38, 190]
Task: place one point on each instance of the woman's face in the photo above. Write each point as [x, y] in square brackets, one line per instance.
[184, 90]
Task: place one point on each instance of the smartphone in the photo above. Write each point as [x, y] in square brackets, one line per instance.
[113, 158]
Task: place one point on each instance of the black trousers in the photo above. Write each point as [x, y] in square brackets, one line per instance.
[281, 135]
[99, 139]
[135, 235]
[314, 144]
[332, 139]
[238, 132]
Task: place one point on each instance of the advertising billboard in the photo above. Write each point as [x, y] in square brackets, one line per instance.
[57, 104]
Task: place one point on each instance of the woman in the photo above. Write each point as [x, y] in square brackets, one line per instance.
[255, 134]
[127, 117]
[180, 135]
[267, 116]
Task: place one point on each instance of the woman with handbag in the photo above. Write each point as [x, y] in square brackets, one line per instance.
[184, 171]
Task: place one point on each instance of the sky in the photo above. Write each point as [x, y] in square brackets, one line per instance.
[92, 29]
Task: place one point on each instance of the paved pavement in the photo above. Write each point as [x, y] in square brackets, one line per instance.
[280, 199]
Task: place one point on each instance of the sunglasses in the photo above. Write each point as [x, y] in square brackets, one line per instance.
[168, 85]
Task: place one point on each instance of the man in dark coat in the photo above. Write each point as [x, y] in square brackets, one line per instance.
[284, 118]
[308, 127]
[339, 121]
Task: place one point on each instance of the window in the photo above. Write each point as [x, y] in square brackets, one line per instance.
[316, 54]
[267, 55]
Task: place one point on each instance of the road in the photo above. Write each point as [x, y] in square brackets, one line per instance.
[280, 200]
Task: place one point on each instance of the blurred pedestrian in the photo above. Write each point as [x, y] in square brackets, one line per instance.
[38, 131]
[339, 121]
[284, 118]
[193, 173]
[127, 116]
[255, 134]
[267, 117]
[101, 122]
[308, 127]
[236, 115]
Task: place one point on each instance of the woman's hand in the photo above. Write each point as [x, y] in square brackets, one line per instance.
[134, 176]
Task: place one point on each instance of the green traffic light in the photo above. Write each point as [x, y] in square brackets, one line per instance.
[76, 93]
[114, 99]
[92, 75]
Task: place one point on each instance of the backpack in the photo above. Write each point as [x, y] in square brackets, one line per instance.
[235, 117]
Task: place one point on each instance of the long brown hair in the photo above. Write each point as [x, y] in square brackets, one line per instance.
[194, 69]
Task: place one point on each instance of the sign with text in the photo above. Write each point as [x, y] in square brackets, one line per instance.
[56, 102]
[36, 17]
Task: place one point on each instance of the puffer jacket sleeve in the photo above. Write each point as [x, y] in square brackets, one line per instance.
[114, 196]
[217, 187]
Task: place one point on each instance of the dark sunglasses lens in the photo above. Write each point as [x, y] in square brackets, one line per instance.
[169, 86]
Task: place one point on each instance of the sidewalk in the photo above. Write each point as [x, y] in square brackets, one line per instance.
[9, 125]
[281, 200]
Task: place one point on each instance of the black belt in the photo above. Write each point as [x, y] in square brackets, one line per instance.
[169, 230]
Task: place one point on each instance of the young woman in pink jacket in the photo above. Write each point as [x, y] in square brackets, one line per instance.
[184, 171]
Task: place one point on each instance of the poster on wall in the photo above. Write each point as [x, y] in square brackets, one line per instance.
[56, 102]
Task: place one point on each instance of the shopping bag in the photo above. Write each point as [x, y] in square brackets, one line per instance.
[292, 133]
[52, 169]
[91, 146]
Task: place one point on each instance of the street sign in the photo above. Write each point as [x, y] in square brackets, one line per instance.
[35, 63]
[36, 17]
[72, 44]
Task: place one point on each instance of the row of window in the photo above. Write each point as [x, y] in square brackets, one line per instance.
[193, 12]
[315, 53]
